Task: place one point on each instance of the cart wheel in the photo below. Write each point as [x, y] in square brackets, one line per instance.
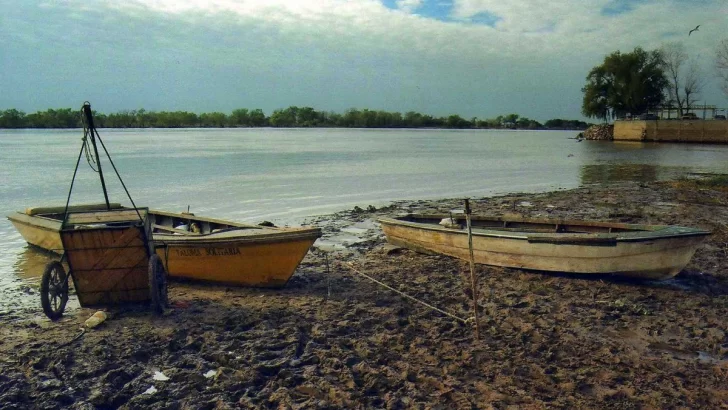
[54, 290]
[157, 284]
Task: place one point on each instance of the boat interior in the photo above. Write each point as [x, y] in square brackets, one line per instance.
[494, 223]
[170, 223]
[187, 224]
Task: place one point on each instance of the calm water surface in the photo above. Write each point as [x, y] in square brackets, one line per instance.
[284, 175]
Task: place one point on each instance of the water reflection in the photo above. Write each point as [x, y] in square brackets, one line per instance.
[21, 291]
[606, 173]
[30, 264]
[286, 175]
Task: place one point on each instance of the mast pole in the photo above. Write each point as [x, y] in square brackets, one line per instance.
[92, 130]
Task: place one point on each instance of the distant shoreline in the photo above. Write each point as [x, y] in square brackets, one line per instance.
[305, 128]
[291, 117]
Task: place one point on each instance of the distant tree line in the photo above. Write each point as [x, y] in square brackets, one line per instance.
[288, 117]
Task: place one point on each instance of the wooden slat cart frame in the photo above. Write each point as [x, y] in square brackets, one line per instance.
[110, 253]
[111, 259]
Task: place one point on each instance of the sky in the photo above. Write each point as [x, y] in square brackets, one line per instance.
[476, 58]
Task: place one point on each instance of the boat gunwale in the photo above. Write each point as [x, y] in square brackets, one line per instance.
[208, 239]
[636, 233]
[279, 235]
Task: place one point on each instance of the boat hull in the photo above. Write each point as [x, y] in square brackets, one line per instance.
[39, 232]
[268, 259]
[655, 258]
[241, 263]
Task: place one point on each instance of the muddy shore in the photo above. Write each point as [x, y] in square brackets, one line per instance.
[333, 339]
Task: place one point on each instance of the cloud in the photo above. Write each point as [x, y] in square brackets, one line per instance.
[474, 57]
[409, 6]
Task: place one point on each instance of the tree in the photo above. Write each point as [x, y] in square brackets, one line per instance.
[239, 117]
[684, 81]
[721, 64]
[258, 118]
[12, 119]
[624, 83]
[693, 84]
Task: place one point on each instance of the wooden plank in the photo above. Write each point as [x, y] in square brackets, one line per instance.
[98, 269]
[130, 277]
[175, 230]
[104, 217]
[72, 208]
[113, 284]
[122, 245]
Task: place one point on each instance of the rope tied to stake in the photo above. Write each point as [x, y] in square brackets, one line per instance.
[448, 314]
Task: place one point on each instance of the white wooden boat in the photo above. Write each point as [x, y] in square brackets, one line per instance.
[642, 251]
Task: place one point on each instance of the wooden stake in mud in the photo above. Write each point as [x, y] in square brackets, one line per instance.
[472, 268]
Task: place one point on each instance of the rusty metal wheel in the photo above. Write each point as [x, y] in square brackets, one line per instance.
[54, 290]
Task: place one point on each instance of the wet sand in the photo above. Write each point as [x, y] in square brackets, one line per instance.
[333, 339]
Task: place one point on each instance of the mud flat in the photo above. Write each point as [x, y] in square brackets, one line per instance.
[333, 339]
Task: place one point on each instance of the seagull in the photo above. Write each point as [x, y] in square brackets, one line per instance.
[695, 29]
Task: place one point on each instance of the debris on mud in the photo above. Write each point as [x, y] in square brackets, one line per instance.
[332, 339]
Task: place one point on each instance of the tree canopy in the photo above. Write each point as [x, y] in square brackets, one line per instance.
[625, 83]
[721, 64]
[683, 74]
[289, 117]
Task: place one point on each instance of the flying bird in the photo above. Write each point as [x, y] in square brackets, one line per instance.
[695, 29]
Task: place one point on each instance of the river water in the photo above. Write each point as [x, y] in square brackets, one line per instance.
[284, 175]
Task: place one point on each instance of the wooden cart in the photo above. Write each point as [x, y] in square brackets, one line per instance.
[111, 258]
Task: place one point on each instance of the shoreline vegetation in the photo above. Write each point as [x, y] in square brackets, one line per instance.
[333, 339]
[291, 117]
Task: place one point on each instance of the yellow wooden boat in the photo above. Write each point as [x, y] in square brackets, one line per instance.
[642, 251]
[196, 247]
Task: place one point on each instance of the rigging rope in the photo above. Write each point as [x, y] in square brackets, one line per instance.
[89, 157]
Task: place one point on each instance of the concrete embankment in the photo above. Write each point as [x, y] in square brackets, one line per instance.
[708, 131]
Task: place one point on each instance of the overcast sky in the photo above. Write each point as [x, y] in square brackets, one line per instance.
[472, 57]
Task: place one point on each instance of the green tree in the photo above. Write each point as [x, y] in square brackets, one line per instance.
[240, 118]
[284, 118]
[12, 119]
[629, 83]
[258, 118]
[213, 120]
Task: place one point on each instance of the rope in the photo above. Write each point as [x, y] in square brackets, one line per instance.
[350, 266]
[78, 336]
[118, 176]
[70, 190]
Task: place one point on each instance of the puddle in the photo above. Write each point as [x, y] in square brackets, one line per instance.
[20, 283]
[354, 230]
[348, 235]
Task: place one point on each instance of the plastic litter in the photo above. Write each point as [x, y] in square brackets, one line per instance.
[210, 373]
[159, 376]
[96, 319]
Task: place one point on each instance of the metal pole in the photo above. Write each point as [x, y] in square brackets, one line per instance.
[472, 269]
[92, 130]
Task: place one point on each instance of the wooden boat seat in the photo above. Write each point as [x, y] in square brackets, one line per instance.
[73, 208]
[174, 230]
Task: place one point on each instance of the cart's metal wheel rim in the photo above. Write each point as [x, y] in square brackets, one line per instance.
[54, 290]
